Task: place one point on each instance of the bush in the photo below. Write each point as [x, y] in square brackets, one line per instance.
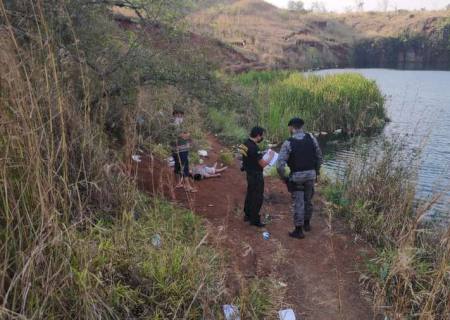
[226, 157]
[226, 125]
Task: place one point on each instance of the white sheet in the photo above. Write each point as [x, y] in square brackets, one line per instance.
[274, 160]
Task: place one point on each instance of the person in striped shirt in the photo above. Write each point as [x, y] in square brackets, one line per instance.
[181, 145]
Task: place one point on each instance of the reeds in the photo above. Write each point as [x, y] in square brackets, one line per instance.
[347, 102]
[409, 271]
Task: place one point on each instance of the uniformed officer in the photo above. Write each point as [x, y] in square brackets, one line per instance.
[302, 154]
[253, 164]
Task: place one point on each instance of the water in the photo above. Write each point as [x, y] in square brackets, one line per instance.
[418, 104]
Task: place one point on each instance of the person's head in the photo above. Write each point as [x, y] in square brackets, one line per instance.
[257, 134]
[197, 177]
[295, 124]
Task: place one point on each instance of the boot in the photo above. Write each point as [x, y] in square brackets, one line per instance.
[297, 233]
[307, 226]
[258, 224]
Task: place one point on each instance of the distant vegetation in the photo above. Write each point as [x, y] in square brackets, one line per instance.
[347, 102]
[301, 39]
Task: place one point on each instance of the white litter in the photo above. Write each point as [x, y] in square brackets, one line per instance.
[136, 158]
[338, 131]
[323, 133]
[156, 241]
[231, 312]
[287, 314]
[202, 153]
[171, 162]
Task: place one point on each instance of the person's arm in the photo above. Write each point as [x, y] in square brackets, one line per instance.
[264, 163]
[283, 158]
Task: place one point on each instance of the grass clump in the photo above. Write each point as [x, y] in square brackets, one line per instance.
[408, 273]
[327, 103]
[226, 157]
[176, 277]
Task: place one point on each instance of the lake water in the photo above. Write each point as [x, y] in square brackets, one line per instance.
[418, 104]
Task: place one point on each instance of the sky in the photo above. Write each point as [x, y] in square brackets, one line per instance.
[342, 5]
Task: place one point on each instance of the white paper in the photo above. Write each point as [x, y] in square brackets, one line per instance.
[202, 153]
[287, 314]
[231, 312]
[274, 160]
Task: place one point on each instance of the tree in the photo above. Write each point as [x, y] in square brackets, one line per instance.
[384, 5]
[295, 5]
[448, 7]
[359, 4]
[318, 6]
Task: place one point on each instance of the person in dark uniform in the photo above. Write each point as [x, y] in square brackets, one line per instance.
[302, 154]
[253, 164]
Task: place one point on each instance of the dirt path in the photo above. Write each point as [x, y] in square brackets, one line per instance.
[319, 271]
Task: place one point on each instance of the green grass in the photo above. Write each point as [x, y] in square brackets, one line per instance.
[226, 125]
[326, 103]
[181, 278]
[261, 77]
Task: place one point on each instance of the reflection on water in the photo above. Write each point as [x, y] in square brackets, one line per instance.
[418, 104]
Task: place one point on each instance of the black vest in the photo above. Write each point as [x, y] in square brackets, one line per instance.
[303, 154]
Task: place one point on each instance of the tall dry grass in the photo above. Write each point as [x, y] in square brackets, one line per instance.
[53, 181]
[408, 273]
[76, 236]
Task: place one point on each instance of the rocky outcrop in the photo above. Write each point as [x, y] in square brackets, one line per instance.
[427, 50]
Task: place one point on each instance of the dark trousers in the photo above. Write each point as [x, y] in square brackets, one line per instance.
[181, 163]
[255, 196]
[302, 205]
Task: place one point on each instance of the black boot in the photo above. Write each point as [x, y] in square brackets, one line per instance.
[297, 233]
[258, 224]
[307, 226]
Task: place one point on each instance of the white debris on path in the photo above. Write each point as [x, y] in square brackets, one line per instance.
[287, 314]
[231, 312]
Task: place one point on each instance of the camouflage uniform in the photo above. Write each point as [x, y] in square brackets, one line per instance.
[301, 184]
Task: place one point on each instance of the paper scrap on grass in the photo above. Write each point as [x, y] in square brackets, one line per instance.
[287, 314]
[274, 160]
[231, 312]
[136, 158]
